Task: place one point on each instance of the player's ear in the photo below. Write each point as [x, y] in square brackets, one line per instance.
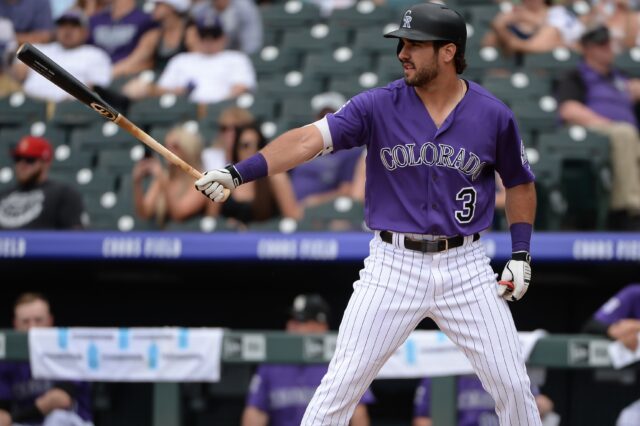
[448, 52]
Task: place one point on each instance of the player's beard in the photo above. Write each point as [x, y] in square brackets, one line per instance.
[423, 76]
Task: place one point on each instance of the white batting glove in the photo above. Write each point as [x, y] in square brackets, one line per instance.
[516, 277]
[213, 183]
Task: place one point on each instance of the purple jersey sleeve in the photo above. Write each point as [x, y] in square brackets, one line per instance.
[5, 382]
[422, 399]
[350, 124]
[625, 304]
[511, 157]
[259, 390]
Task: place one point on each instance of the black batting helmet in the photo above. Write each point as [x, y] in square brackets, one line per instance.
[432, 21]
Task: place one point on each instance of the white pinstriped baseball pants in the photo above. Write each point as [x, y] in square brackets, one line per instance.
[396, 290]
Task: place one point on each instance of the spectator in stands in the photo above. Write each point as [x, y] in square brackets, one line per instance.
[170, 195]
[91, 7]
[119, 28]
[597, 96]
[220, 152]
[279, 393]
[329, 176]
[88, 64]
[28, 401]
[32, 19]
[160, 44]
[266, 198]
[534, 26]
[8, 45]
[620, 18]
[241, 20]
[209, 73]
[37, 202]
[206, 72]
[619, 319]
[475, 405]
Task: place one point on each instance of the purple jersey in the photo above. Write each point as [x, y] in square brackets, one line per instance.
[325, 173]
[428, 180]
[475, 405]
[283, 391]
[118, 38]
[17, 386]
[624, 305]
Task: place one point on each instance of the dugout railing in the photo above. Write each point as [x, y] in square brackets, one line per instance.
[553, 351]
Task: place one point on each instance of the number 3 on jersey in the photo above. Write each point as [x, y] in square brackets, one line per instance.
[468, 197]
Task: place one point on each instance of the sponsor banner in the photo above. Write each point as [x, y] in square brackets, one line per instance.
[126, 354]
[431, 353]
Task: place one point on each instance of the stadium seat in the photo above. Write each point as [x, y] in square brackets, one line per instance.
[585, 182]
[370, 40]
[99, 136]
[200, 223]
[552, 205]
[536, 115]
[290, 14]
[363, 14]
[354, 84]
[341, 214]
[291, 83]
[116, 161]
[555, 62]
[515, 88]
[18, 109]
[342, 61]
[72, 113]
[164, 110]
[262, 108]
[629, 62]
[66, 159]
[9, 136]
[320, 37]
[388, 68]
[273, 60]
[297, 109]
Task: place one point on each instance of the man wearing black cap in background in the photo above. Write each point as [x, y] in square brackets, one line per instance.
[37, 202]
[599, 97]
[279, 393]
[209, 73]
[89, 64]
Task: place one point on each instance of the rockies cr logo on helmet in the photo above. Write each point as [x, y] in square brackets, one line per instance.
[103, 111]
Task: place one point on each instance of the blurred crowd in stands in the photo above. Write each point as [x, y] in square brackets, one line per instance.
[215, 80]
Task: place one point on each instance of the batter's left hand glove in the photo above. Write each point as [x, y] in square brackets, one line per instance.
[516, 277]
[213, 182]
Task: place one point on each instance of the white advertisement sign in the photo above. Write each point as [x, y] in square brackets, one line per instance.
[126, 354]
[431, 353]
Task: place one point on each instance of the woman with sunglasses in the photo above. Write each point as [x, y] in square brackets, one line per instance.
[263, 199]
[169, 195]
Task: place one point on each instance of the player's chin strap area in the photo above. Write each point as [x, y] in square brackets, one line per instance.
[428, 246]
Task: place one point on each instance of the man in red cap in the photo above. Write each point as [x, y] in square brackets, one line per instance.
[37, 202]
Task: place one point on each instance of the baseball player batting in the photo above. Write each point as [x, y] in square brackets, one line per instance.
[434, 142]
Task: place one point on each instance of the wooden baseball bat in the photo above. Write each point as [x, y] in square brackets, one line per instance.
[53, 72]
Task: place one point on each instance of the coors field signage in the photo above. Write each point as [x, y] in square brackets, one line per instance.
[126, 354]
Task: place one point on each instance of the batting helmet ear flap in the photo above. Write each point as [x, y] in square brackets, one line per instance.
[400, 46]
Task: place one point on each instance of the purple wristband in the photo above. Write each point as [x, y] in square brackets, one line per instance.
[254, 167]
[521, 236]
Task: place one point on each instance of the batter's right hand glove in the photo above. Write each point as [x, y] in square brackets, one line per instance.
[213, 182]
[516, 277]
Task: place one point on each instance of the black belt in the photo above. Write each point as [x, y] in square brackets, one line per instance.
[428, 246]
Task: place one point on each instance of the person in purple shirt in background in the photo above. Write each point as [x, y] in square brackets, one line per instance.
[279, 393]
[619, 319]
[434, 141]
[475, 405]
[32, 19]
[29, 401]
[329, 176]
[118, 29]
